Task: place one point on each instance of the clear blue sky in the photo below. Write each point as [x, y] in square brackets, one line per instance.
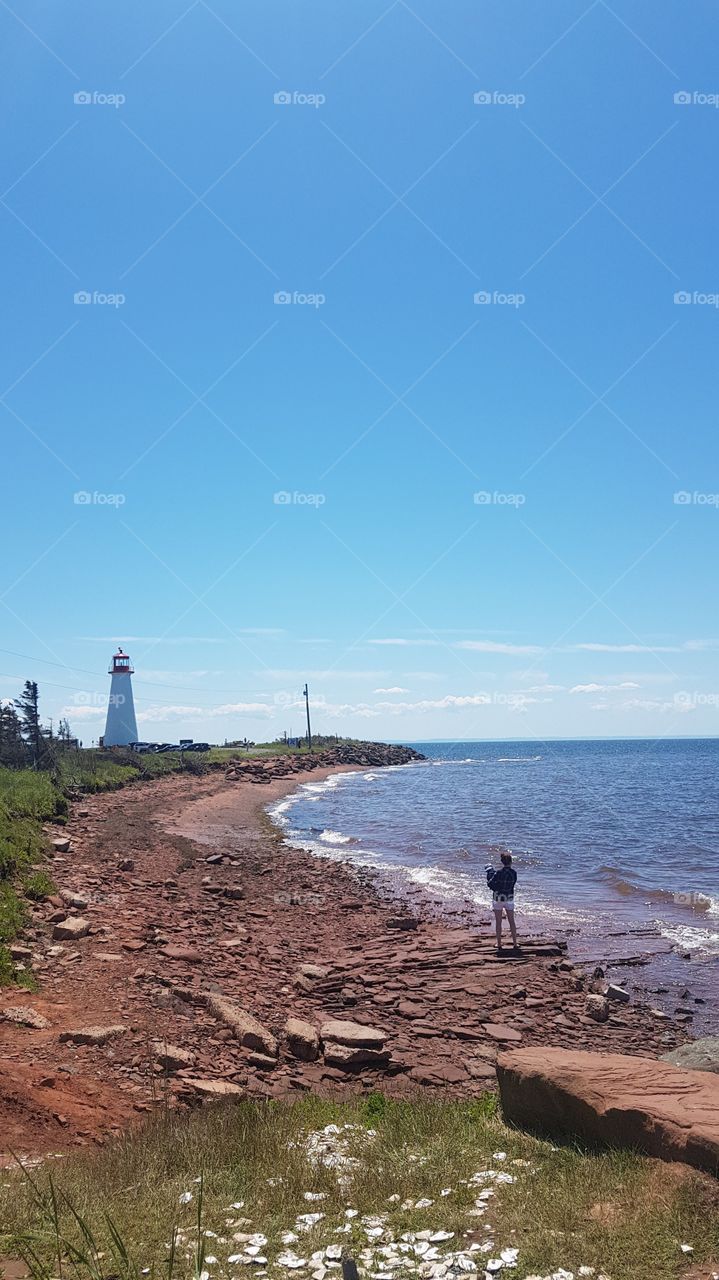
[581, 599]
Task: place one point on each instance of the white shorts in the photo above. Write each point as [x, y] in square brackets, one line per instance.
[503, 904]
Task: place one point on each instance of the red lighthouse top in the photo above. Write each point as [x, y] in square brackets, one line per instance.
[121, 664]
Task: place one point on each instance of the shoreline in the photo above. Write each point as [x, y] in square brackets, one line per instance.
[188, 888]
[638, 954]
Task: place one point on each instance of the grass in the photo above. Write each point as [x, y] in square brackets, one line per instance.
[92, 771]
[28, 798]
[246, 1168]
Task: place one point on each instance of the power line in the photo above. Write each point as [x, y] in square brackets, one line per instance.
[72, 688]
[152, 684]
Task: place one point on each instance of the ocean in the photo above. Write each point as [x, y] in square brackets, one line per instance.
[609, 838]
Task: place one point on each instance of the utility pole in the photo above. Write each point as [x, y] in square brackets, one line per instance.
[306, 696]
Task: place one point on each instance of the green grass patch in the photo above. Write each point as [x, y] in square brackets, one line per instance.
[245, 1170]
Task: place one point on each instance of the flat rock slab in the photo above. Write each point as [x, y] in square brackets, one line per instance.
[188, 954]
[24, 1017]
[71, 928]
[214, 1088]
[172, 1057]
[302, 1039]
[498, 1031]
[354, 1034]
[439, 1074]
[350, 1058]
[92, 1035]
[620, 1101]
[244, 1025]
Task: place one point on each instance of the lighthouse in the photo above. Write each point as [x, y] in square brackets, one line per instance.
[121, 726]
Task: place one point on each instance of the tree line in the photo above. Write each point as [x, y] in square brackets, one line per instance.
[25, 743]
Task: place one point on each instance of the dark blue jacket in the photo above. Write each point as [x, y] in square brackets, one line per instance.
[502, 881]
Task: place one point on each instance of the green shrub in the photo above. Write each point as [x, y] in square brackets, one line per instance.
[12, 913]
[38, 886]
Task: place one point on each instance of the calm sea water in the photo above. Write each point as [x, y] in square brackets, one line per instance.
[606, 836]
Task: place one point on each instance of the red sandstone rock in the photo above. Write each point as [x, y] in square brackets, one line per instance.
[499, 1032]
[302, 1039]
[352, 1034]
[214, 1088]
[344, 1055]
[188, 954]
[171, 1057]
[71, 928]
[245, 1026]
[97, 1036]
[611, 1098]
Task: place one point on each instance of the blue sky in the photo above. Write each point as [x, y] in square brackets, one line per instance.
[387, 384]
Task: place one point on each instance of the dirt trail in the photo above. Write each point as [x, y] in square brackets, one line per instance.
[189, 891]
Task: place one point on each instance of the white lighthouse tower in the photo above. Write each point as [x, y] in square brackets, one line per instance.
[121, 726]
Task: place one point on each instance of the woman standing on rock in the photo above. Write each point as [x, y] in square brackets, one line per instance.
[502, 883]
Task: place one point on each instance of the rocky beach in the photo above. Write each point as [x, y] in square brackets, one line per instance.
[190, 954]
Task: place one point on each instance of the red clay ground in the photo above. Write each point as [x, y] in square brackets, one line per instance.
[176, 922]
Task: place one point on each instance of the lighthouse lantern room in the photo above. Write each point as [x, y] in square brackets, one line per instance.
[121, 725]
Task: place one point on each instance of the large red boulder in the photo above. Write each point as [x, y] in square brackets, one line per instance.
[616, 1100]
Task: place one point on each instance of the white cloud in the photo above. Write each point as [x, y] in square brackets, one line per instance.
[402, 642]
[451, 702]
[632, 648]
[161, 673]
[604, 688]
[166, 714]
[496, 646]
[546, 688]
[393, 689]
[240, 631]
[328, 673]
[152, 640]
